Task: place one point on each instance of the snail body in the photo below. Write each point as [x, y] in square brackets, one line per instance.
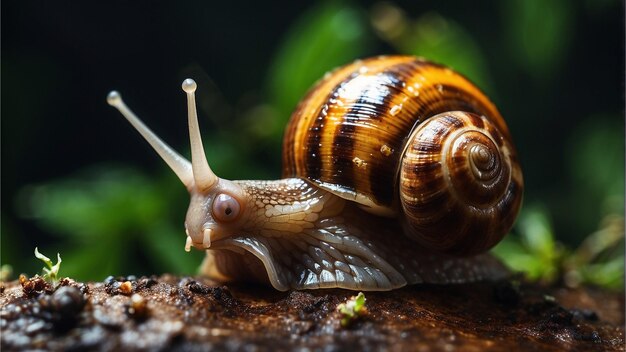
[396, 171]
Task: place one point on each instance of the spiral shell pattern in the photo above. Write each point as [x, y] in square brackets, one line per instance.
[460, 184]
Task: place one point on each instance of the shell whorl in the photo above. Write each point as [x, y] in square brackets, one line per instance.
[460, 184]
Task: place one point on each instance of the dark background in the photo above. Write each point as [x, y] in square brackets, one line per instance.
[555, 69]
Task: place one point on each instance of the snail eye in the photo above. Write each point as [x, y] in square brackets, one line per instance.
[225, 208]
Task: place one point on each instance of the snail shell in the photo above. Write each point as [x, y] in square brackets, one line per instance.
[405, 137]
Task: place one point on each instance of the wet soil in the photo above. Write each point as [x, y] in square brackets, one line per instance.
[174, 313]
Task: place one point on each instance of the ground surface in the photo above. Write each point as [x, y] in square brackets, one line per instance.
[172, 313]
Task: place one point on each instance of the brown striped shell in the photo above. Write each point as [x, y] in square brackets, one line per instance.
[399, 134]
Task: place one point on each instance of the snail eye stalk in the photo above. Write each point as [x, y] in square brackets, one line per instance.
[176, 162]
[202, 173]
[196, 174]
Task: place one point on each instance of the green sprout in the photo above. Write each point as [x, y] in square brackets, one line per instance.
[352, 309]
[52, 271]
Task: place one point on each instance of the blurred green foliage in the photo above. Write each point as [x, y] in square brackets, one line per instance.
[106, 215]
[538, 32]
[114, 219]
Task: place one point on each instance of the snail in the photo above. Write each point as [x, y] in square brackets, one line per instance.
[396, 171]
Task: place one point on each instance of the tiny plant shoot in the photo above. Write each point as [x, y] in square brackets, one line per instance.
[51, 273]
[352, 309]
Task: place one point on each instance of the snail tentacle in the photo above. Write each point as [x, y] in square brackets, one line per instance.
[178, 164]
[203, 175]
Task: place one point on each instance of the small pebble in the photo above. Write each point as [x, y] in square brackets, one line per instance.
[68, 300]
[584, 314]
[126, 288]
[138, 307]
[148, 282]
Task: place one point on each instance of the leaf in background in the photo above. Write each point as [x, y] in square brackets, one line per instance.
[538, 33]
[532, 250]
[517, 258]
[330, 34]
[107, 201]
[536, 232]
[436, 38]
[609, 274]
[599, 259]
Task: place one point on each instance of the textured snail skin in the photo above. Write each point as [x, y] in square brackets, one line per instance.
[396, 171]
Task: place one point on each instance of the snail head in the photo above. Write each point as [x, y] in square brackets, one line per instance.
[216, 204]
